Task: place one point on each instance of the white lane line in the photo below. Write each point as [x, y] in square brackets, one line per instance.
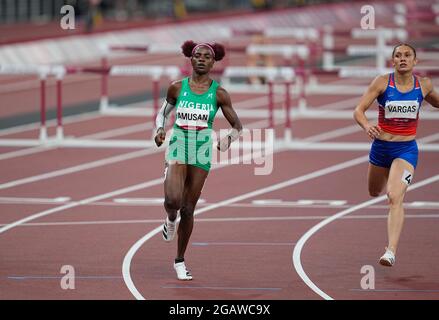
[220, 288]
[302, 202]
[333, 134]
[99, 135]
[259, 101]
[101, 197]
[430, 138]
[81, 167]
[33, 200]
[24, 152]
[234, 219]
[329, 202]
[140, 153]
[397, 290]
[94, 164]
[22, 278]
[111, 194]
[132, 251]
[234, 243]
[300, 244]
[34, 126]
[126, 265]
[145, 200]
[82, 202]
[408, 206]
[343, 104]
[424, 204]
[50, 123]
[113, 132]
[253, 102]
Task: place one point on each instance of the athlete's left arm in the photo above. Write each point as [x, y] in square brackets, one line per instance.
[431, 96]
[225, 103]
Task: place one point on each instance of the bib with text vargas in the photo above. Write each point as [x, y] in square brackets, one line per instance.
[401, 109]
[398, 111]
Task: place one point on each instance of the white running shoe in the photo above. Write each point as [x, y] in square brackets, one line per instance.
[182, 272]
[169, 228]
[388, 258]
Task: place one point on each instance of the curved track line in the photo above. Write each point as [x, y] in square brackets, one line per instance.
[130, 254]
[299, 246]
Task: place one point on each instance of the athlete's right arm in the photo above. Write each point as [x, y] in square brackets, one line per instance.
[377, 87]
[431, 96]
[167, 107]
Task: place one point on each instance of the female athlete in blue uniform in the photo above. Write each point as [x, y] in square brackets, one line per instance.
[394, 153]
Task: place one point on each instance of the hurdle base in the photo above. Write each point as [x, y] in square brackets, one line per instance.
[104, 104]
[59, 133]
[288, 137]
[43, 134]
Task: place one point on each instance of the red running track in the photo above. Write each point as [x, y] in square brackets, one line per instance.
[240, 249]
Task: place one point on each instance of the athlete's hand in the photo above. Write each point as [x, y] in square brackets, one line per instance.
[160, 137]
[373, 131]
[224, 143]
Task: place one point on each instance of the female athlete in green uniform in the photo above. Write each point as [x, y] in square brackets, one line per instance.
[196, 100]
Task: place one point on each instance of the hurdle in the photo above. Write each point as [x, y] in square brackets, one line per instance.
[59, 72]
[403, 17]
[108, 50]
[284, 50]
[42, 73]
[275, 76]
[152, 72]
[381, 52]
[155, 73]
[286, 76]
[307, 82]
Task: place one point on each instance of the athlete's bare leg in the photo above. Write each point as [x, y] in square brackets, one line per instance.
[400, 176]
[194, 183]
[376, 179]
[174, 187]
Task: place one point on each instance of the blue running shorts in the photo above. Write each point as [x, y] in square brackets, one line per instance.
[382, 153]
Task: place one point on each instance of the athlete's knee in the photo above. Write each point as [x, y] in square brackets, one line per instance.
[172, 202]
[374, 189]
[374, 193]
[395, 198]
[187, 211]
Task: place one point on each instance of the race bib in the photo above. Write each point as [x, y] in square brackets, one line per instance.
[192, 117]
[401, 109]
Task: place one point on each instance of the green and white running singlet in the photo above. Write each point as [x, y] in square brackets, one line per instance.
[191, 141]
